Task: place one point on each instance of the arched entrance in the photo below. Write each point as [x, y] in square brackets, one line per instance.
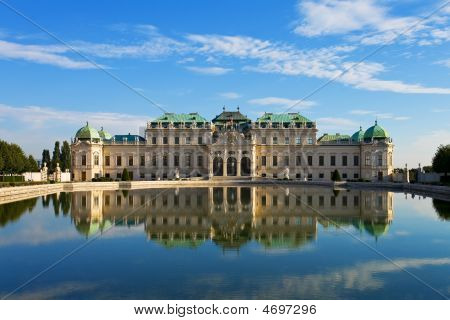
[231, 166]
[218, 166]
[245, 166]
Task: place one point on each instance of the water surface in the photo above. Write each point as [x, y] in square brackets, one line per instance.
[226, 243]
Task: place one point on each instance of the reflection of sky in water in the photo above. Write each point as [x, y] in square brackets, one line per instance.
[249, 244]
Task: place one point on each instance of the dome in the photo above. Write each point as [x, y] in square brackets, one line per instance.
[358, 136]
[104, 134]
[376, 132]
[87, 132]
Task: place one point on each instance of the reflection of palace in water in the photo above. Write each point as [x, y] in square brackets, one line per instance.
[232, 216]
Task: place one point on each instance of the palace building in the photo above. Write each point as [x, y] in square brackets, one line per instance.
[232, 146]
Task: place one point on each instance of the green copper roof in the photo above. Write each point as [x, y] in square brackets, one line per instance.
[333, 137]
[283, 118]
[128, 138]
[87, 132]
[358, 136]
[376, 132]
[227, 116]
[180, 117]
[104, 134]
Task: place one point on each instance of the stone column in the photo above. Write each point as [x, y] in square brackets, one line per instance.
[238, 164]
[225, 160]
[211, 166]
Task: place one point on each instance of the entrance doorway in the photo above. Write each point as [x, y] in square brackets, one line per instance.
[231, 166]
[245, 166]
[218, 166]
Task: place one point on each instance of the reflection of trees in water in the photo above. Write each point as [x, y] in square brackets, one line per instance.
[10, 212]
[442, 208]
[232, 235]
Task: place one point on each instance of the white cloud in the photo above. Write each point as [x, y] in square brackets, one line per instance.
[51, 55]
[445, 62]
[361, 112]
[209, 70]
[329, 123]
[370, 22]
[230, 95]
[282, 102]
[325, 63]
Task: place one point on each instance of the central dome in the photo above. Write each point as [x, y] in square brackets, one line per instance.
[87, 133]
[104, 134]
[376, 132]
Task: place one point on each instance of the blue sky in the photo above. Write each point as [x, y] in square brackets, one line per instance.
[201, 55]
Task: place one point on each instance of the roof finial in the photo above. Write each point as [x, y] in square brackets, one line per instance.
[360, 128]
[101, 128]
[237, 108]
[223, 108]
[87, 123]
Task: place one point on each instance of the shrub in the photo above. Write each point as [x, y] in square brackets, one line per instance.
[336, 176]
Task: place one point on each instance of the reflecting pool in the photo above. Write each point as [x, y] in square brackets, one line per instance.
[226, 243]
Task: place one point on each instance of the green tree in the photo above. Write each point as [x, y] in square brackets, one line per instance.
[46, 158]
[20, 161]
[125, 175]
[65, 156]
[56, 158]
[336, 176]
[441, 160]
[32, 165]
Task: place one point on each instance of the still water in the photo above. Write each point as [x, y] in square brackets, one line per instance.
[226, 243]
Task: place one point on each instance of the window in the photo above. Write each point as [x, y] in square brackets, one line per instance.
[153, 140]
[367, 159]
[321, 161]
[286, 201]
[263, 161]
[263, 140]
[187, 160]
[321, 201]
[130, 161]
[310, 140]
[200, 140]
[119, 161]
[107, 161]
[344, 176]
[356, 176]
[344, 161]
[309, 200]
[380, 160]
[118, 200]
[176, 160]
[165, 140]
[275, 140]
[142, 175]
[333, 161]
[275, 176]
[96, 160]
[309, 176]
[356, 160]
[286, 140]
[298, 176]
[321, 175]
[310, 160]
[298, 140]
[83, 160]
[188, 140]
[274, 161]
[142, 162]
[154, 160]
[333, 201]
[344, 201]
[177, 140]
[119, 175]
[165, 160]
[274, 200]
[286, 160]
[200, 161]
[356, 201]
[263, 201]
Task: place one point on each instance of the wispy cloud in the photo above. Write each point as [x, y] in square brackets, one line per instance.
[282, 102]
[39, 117]
[369, 22]
[329, 123]
[363, 112]
[51, 55]
[230, 95]
[216, 71]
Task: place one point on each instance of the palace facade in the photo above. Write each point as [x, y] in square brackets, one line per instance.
[231, 146]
